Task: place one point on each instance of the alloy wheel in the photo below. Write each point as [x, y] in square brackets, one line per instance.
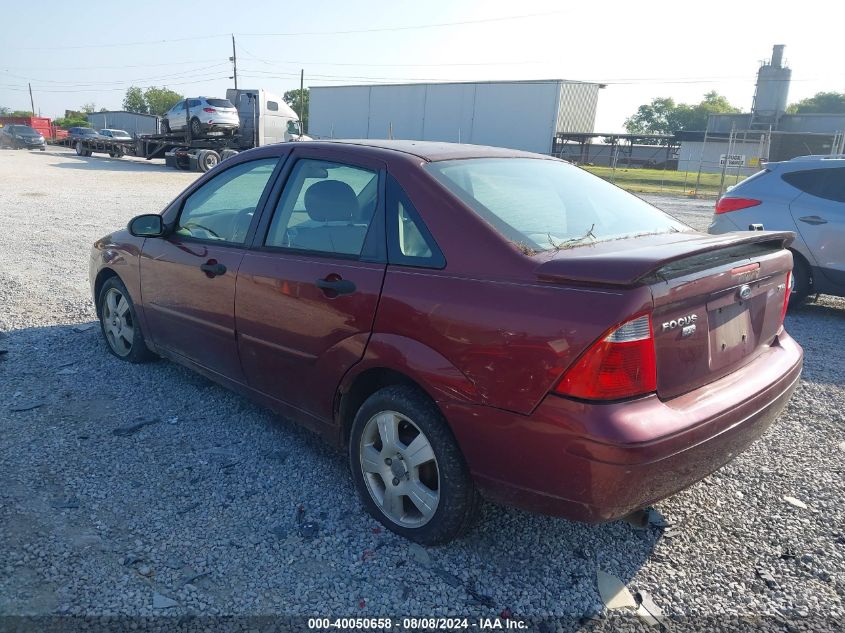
[117, 322]
[400, 469]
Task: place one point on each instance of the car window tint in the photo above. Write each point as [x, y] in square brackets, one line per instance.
[222, 209]
[836, 184]
[549, 204]
[810, 181]
[325, 207]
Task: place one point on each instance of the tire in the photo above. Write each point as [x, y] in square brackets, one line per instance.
[165, 126]
[119, 323]
[207, 159]
[227, 153]
[802, 282]
[196, 128]
[442, 500]
[80, 149]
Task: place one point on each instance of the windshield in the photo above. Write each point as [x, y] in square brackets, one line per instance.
[220, 103]
[549, 204]
[24, 130]
[119, 132]
[86, 131]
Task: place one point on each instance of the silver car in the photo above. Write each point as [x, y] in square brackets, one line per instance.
[116, 135]
[805, 195]
[205, 114]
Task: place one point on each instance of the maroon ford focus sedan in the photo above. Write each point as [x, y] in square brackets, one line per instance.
[464, 320]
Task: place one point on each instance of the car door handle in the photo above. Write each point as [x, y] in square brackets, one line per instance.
[213, 268]
[336, 286]
[813, 219]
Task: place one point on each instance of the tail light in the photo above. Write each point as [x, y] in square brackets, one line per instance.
[786, 296]
[619, 365]
[209, 110]
[726, 205]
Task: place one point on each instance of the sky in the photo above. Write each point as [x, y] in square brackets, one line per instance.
[91, 52]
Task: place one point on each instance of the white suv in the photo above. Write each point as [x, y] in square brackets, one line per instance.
[206, 114]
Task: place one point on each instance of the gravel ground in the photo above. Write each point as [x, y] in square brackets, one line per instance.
[144, 490]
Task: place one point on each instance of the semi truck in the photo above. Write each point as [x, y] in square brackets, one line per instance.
[264, 119]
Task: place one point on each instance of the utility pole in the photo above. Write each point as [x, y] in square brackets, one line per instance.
[31, 102]
[302, 101]
[234, 60]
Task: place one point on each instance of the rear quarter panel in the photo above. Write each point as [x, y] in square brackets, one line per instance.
[511, 340]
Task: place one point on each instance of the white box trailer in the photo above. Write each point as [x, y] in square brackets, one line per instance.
[523, 115]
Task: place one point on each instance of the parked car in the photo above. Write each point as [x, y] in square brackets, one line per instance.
[21, 137]
[805, 195]
[462, 319]
[83, 133]
[116, 135]
[206, 114]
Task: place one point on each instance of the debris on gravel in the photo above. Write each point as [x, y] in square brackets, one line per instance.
[235, 511]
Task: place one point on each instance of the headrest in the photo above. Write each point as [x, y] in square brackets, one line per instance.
[330, 201]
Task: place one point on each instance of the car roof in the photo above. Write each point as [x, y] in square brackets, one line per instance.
[808, 162]
[428, 150]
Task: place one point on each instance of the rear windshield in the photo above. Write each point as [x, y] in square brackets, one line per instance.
[548, 204]
[220, 103]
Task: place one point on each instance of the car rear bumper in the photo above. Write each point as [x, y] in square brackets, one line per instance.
[599, 462]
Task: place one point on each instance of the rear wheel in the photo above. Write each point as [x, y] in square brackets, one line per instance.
[119, 323]
[802, 282]
[407, 468]
[80, 149]
[208, 159]
[196, 128]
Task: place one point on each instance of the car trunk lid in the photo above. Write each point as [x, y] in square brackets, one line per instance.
[717, 300]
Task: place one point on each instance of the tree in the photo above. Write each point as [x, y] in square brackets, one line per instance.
[134, 100]
[4, 111]
[299, 100]
[664, 116]
[820, 103]
[160, 100]
[88, 108]
[71, 121]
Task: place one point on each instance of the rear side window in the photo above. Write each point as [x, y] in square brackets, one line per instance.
[822, 183]
[548, 204]
[272, 106]
[325, 207]
[220, 103]
[409, 242]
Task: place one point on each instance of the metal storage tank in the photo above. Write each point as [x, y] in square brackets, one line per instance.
[772, 91]
[132, 122]
[522, 115]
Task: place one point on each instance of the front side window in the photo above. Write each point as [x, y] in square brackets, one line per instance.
[325, 207]
[222, 209]
[548, 204]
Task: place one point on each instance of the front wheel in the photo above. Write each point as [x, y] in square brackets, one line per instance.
[119, 323]
[407, 467]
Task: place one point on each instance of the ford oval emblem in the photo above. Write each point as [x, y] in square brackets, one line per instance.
[745, 292]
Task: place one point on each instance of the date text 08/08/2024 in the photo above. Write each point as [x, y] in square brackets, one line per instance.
[409, 624]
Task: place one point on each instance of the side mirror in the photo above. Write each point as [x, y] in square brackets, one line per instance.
[147, 225]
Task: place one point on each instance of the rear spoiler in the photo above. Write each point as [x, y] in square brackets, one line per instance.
[644, 259]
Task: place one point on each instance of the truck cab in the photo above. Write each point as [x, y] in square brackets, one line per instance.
[265, 118]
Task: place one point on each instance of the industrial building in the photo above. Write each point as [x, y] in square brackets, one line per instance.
[132, 122]
[525, 115]
[766, 133]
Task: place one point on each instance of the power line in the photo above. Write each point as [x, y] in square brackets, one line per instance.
[184, 73]
[297, 33]
[405, 28]
[122, 88]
